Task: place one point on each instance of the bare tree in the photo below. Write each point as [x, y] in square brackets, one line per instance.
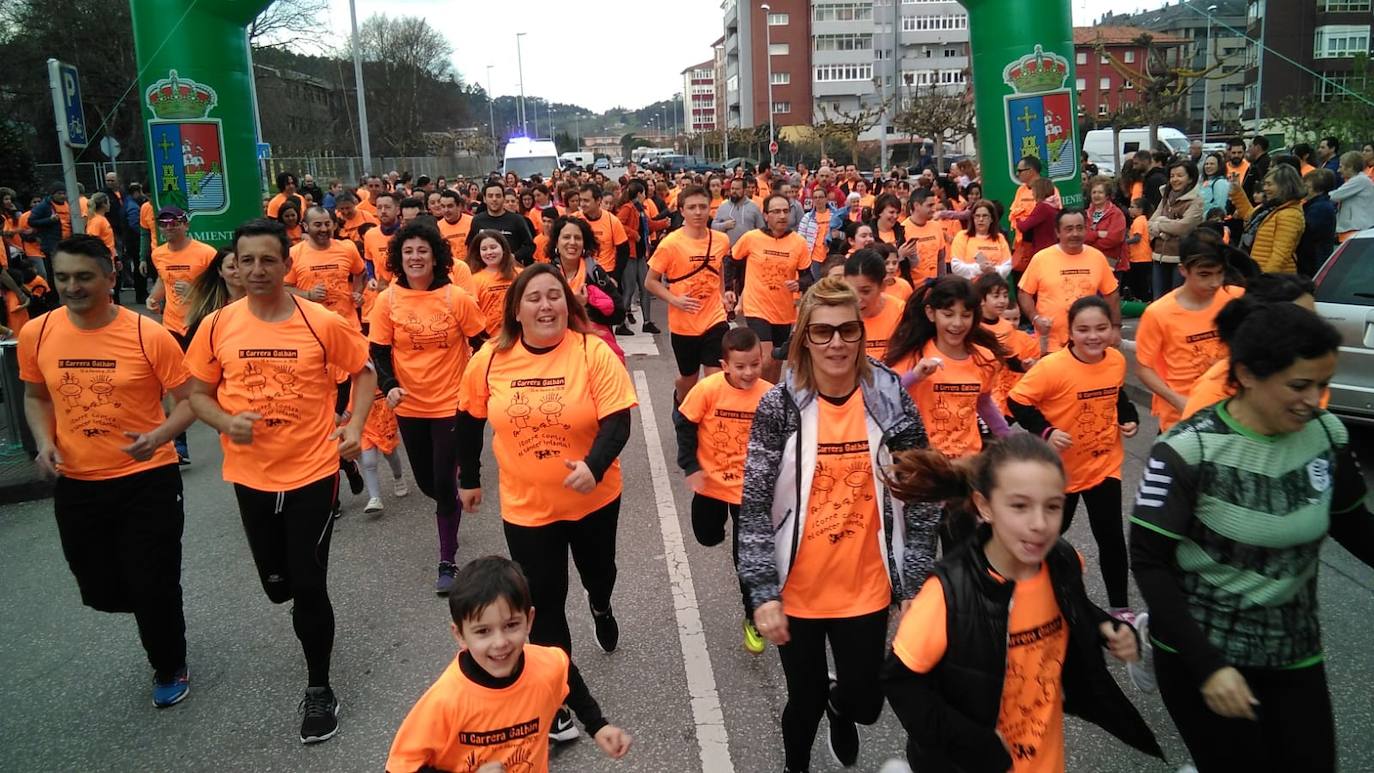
[287, 22]
[1160, 86]
[847, 125]
[410, 79]
[936, 112]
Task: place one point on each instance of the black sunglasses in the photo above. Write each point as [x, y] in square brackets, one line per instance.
[821, 334]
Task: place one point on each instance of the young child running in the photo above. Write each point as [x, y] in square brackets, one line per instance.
[380, 439]
[1177, 339]
[894, 284]
[493, 269]
[865, 272]
[491, 708]
[1075, 399]
[1003, 318]
[712, 425]
[1002, 636]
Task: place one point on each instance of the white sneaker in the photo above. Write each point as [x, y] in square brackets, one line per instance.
[400, 489]
[1142, 673]
[374, 505]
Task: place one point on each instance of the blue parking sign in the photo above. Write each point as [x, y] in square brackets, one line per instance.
[73, 117]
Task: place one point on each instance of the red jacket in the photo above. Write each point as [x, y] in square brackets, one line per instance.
[1038, 226]
[629, 217]
[1113, 221]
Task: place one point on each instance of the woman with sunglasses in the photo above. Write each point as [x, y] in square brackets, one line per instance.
[825, 549]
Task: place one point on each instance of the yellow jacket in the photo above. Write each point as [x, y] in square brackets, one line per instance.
[1276, 241]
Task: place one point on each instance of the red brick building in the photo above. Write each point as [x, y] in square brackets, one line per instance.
[1101, 88]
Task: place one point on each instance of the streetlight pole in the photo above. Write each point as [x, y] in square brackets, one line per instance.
[1206, 58]
[768, 52]
[358, 80]
[1259, 81]
[520, 67]
[491, 115]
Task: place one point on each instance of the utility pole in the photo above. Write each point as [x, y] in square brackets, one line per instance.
[1259, 82]
[358, 80]
[491, 116]
[768, 52]
[520, 66]
[724, 96]
[1206, 60]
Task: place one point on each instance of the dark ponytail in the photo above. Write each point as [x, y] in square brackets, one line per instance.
[926, 475]
[1267, 338]
[915, 329]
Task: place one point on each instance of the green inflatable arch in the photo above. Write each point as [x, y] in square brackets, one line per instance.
[196, 92]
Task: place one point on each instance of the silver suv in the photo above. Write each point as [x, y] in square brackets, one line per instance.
[1345, 298]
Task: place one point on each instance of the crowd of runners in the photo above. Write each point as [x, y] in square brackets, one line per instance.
[895, 407]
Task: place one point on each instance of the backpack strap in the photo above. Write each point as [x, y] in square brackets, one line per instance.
[41, 329]
[705, 265]
[306, 319]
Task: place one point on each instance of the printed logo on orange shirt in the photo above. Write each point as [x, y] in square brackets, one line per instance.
[273, 382]
[433, 330]
[499, 736]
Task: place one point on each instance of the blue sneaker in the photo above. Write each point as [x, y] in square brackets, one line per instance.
[183, 452]
[171, 693]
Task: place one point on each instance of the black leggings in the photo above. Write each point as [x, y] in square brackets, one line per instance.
[432, 447]
[1295, 730]
[122, 540]
[1103, 502]
[542, 552]
[857, 644]
[708, 524]
[288, 533]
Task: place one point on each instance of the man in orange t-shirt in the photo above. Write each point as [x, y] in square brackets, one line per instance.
[456, 223]
[263, 374]
[1061, 274]
[612, 243]
[179, 261]
[766, 270]
[95, 375]
[326, 270]
[1027, 171]
[928, 238]
[286, 191]
[351, 216]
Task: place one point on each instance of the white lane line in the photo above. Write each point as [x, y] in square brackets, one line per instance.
[712, 739]
[643, 345]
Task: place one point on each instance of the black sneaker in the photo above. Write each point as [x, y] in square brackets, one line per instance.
[563, 729]
[321, 710]
[629, 318]
[607, 630]
[622, 330]
[843, 736]
[444, 584]
[355, 478]
[651, 329]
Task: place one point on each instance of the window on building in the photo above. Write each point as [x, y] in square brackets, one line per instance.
[779, 49]
[842, 42]
[949, 21]
[1103, 59]
[1336, 86]
[1129, 57]
[1081, 84]
[843, 72]
[951, 53]
[1081, 58]
[777, 19]
[1105, 84]
[1335, 41]
[1102, 108]
[1127, 85]
[782, 78]
[782, 107]
[1343, 6]
[842, 12]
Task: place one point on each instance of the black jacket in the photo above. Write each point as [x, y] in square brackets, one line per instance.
[1155, 179]
[950, 714]
[1254, 176]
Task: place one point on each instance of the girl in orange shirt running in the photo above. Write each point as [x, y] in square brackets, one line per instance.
[894, 284]
[989, 693]
[1075, 398]
[994, 299]
[380, 438]
[493, 269]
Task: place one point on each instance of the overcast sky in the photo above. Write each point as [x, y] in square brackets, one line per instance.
[627, 52]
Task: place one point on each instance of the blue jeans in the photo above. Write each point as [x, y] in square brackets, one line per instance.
[1164, 277]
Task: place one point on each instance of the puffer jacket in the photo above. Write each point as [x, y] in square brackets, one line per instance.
[777, 485]
[1276, 239]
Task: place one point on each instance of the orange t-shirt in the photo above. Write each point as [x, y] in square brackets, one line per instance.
[839, 571]
[888, 236]
[610, 233]
[679, 256]
[34, 249]
[544, 410]
[723, 414]
[1021, 205]
[103, 383]
[898, 288]
[1140, 252]
[1080, 399]
[490, 290]
[1212, 387]
[1179, 345]
[948, 398]
[1138, 189]
[930, 240]
[274, 204]
[1057, 279]
[820, 249]
[428, 332]
[376, 247]
[147, 220]
[771, 264]
[966, 248]
[182, 265]
[99, 227]
[334, 267]
[64, 215]
[541, 247]
[1031, 719]
[715, 205]
[879, 327]
[457, 235]
[1016, 343]
[380, 431]
[348, 230]
[285, 372]
[460, 725]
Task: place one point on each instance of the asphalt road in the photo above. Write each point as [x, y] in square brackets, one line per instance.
[74, 684]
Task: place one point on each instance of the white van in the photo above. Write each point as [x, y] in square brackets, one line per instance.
[1098, 145]
[579, 158]
[526, 157]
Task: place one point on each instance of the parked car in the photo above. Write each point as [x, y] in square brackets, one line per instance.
[602, 163]
[681, 163]
[749, 164]
[1345, 298]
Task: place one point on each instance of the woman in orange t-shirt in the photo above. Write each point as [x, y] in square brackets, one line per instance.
[493, 269]
[1076, 400]
[289, 215]
[825, 549]
[98, 225]
[559, 402]
[419, 332]
[988, 693]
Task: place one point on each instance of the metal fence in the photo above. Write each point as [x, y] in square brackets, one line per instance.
[346, 168]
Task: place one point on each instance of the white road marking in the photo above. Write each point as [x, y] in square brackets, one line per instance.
[712, 739]
[638, 344]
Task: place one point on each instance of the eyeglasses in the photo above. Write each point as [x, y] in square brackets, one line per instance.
[779, 211]
[1021, 169]
[822, 334]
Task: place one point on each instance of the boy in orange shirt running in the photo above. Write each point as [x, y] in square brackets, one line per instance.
[712, 424]
[490, 709]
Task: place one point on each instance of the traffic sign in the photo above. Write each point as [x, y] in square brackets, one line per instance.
[71, 123]
[110, 147]
[773, 147]
[264, 150]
